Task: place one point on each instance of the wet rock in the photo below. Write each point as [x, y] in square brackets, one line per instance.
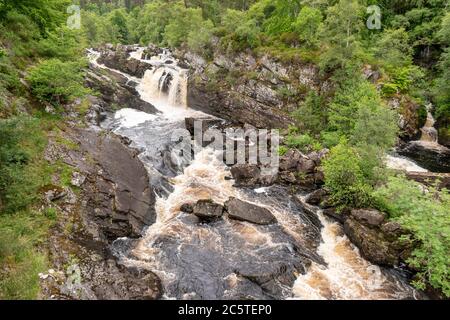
[369, 217]
[118, 198]
[316, 197]
[115, 93]
[187, 208]
[246, 175]
[371, 243]
[204, 124]
[119, 60]
[339, 216]
[244, 211]
[431, 156]
[379, 242]
[208, 210]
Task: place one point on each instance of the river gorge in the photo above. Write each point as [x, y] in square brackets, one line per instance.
[304, 254]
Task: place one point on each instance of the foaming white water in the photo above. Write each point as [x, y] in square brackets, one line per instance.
[348, 276]
[166, 89]
[403, 164]
[171, 246]
[131, 117]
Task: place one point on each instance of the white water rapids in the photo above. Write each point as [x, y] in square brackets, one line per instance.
[218, 260]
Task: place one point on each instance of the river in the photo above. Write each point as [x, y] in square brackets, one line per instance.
[303, 256]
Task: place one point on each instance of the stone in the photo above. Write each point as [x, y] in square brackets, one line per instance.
[246, 175]
[371, 243]
[245, 211]
[369, 217]
[315, 198]
[187, 208]
[208, 210]
[77, 179]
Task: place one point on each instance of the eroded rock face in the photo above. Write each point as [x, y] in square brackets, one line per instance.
[244, 211]
[118, 197]
[433, 157]
[255, 95]
[296, 169]
[119, 59]
[116, 91]
[379, 241]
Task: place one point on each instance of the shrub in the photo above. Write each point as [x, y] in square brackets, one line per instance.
[425, 214]
[345, 179]
[57, 82]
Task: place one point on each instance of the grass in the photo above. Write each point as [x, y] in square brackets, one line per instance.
[20, 259]
[23, 227]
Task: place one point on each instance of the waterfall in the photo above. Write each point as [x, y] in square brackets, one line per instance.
[218, 260]
[165, 86]
[429, 132]
[347, 275]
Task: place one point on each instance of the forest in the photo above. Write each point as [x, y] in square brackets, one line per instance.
[404, 44]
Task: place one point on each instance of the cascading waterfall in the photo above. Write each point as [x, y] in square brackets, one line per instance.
[429, 132]
[228, 258]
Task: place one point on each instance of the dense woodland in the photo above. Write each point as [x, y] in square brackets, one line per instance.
[42, 63]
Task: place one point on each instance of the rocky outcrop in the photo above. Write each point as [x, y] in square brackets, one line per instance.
[119, 59]
[118, 197]
[378, 240]
[295, 169]
[431, 156]
[109, 197]
[116, 91]
[244, 211]
[260, 91]
[412, 117]
[431, 179]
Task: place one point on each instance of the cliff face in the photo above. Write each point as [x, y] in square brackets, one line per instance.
[260, 91]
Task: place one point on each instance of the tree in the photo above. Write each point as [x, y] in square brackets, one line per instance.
[345, 179]
[45, 13]
[341, 34]
[394, 49]
[307, 25]
[57, 82]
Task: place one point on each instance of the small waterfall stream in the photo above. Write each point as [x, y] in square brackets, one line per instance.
[301, 257]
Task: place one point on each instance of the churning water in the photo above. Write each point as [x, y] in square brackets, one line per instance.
[303, 256]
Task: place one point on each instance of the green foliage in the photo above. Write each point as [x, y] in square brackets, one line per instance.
[345, 179]
[341, 33]
[57, 82]
[303, 142]
[425, 214]
[63, 43]
[394, 49]
[311, 115]
[20, 260]
[47, 14]
[307, 25]
[22, 141]
[402, 80]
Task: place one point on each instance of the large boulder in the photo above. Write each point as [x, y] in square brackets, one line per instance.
[246, 175]
[379, 241]
[244, 211]
[207, 210]
[369, 217]
[430, 156]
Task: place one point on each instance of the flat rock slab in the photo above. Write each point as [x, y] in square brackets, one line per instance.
[244, 211]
